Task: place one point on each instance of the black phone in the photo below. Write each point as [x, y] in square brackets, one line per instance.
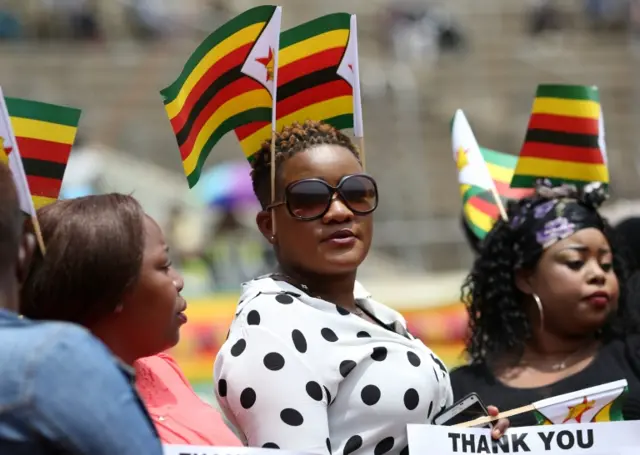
[469, 408]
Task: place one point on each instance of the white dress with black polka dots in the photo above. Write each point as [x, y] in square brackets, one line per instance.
[300, 373]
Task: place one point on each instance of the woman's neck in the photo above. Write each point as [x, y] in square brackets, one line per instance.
[337, 289]
[553, 347]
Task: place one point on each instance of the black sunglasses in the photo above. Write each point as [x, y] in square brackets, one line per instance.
[310, 199]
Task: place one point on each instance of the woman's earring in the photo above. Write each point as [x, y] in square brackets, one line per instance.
[272, 239]
[540, 309]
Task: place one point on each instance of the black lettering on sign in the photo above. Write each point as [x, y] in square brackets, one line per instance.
[546, 438]
[565, 440]
[483, 444]
[468, 443]
[502, 444]
[517, 443]
[454, 441]
[589, 442]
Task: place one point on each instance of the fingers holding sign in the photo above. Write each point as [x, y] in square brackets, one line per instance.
[501, 426]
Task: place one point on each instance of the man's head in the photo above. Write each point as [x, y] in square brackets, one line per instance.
[16, 246]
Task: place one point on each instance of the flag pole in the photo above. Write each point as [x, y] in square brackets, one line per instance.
[274, 117]
[38, 232]
[358, 127]
[498, 199]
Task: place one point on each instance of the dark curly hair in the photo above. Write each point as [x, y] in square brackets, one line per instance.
[497, 320]
[291, 140]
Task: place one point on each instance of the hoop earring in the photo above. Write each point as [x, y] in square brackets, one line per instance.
[540, 309]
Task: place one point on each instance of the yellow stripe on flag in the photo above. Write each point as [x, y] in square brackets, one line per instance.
[323, 110]
[478, 218]
[604, 415]
[235, 41]
[45, 131]
[234, 106]
[500, 173]
[313, 45]
[556, 169]
[464, 189]
[566, 107]
[41, 201]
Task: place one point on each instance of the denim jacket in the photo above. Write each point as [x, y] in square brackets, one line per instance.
[62, 392]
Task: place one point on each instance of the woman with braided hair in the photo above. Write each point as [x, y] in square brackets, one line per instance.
[312, 362]
[547, 307]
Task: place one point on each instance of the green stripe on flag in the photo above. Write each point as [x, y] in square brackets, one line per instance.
[498, 158]
[528, 181]
[43, 112]
[324, 24]
[569, 92]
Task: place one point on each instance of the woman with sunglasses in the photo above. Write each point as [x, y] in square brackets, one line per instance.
[312, 362]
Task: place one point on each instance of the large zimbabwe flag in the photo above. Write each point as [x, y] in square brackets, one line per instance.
[565, 140]
[45, 134]
[226, 84]
[312, 57]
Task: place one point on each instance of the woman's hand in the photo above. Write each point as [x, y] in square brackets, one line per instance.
[502, 424]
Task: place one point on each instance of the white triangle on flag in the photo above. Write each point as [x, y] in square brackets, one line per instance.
[472, 168]
[349, 70]
[262, 62]
[15, 161]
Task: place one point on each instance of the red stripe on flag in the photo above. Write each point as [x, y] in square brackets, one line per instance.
[562, 153]
[244, 131]
[484, 206]
[219, 68]
[313, 95]
[43, 186]
[564, 124]
[43, 150]
[237, 88]
[310, 64]
[512, 193]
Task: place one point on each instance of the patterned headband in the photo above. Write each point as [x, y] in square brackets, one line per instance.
[557, 214]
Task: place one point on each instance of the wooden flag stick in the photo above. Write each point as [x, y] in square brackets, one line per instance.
[502, 415]
[362, 156]
[273, 180]
[38, 231]
[496, 196]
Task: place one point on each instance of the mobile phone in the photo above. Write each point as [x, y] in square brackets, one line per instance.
[464, 410]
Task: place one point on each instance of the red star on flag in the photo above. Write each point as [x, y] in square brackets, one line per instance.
[350, 67]
[268, 64]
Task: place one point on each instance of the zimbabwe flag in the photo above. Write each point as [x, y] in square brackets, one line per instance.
[229, 82]
[565, 138]
[45, 134]
[310, 87]
[480, 210]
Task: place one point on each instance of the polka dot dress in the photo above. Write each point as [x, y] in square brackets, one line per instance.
[300, 373]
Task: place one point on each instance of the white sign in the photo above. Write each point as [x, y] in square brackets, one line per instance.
[606, 438]
[170, 449]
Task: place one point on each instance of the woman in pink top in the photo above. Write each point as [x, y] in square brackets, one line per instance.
[179, 414]
[107, 267]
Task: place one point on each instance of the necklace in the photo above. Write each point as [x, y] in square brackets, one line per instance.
[287, 279]
[562, 365]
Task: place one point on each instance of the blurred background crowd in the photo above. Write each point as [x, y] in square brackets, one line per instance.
[420, 60]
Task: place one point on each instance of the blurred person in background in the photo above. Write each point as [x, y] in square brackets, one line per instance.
[108, 268]
[234, 251]
[61, 390]
[547, 306]
[308, 361]
[544, 16]
[628, 232]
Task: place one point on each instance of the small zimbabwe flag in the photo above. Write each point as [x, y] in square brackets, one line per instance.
[228, 83]
[310, 86]
[481, 211]
[565, 138]
[45, 134]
